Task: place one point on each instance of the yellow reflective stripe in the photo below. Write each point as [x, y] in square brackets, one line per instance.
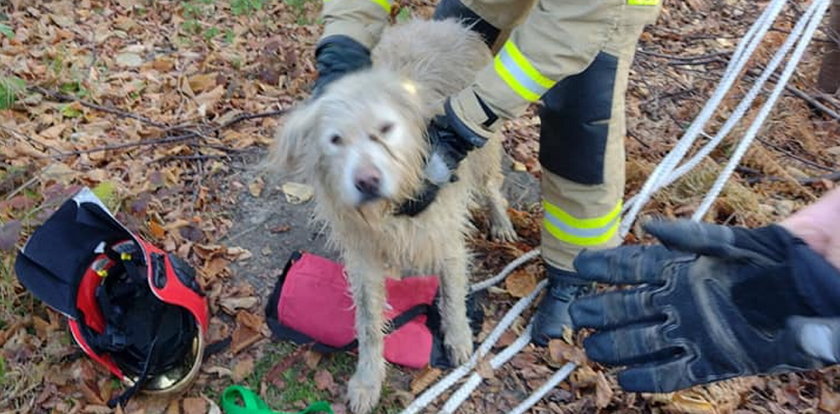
[526, 66]
[385, 4]
[586, 223]
[519, 74]
[579, 240]
[643, 2]
[512, 82]
[581, 232]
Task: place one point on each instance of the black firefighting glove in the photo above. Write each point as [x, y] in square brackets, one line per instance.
[451, 140]
[337, 56]
[713, 303]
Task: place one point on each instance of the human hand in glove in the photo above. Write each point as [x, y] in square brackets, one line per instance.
[451, 140]
[337, 56]
[712, 303]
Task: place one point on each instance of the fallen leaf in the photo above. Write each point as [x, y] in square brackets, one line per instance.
[324, 381]
[242, 338]
[53, 132]
[156, 230]
[280, 229]
[238, 253]
[829, 400]
[219, 371]
[62, 20]
[59, 172]
[163, 64]
[243, 368]
[253, 321]
[520, 283]
[506, 339]
[9, 235]
[559, 352]
[690, 402]
[424, 379]
[215, 266]
[231, 305]
[130, 60]
[584, 376]
[484, 369]
[195, 405]
[519, 167]
[312, 358]
[603, 391]
[256, 187]
[202, 82]
[173, 407]
[297, 193]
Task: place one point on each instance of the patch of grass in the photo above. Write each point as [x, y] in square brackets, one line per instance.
[7, 31]
[404, 15]
[299, 10]
[299, 385]
[11, 88]
[229, 36]
[246, 7]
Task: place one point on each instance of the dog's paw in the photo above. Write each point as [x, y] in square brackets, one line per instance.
[503, 232]
[363, 393]
[459, 345]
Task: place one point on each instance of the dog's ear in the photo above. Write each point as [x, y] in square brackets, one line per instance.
[293, 142]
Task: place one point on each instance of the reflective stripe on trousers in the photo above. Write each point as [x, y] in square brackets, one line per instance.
[581, 231]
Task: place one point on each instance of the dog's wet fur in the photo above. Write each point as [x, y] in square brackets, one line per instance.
[361, 145]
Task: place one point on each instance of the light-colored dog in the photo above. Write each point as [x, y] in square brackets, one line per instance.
[362, 146]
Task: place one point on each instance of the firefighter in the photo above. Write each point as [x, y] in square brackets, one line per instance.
[572, 55]
[716, 302]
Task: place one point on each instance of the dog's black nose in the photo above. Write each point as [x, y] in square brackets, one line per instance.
[367, 181]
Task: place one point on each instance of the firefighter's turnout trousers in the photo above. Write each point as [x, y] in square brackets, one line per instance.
[572, 55]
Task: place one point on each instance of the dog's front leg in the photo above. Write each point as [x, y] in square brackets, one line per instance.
[456, 327]
[367, 283]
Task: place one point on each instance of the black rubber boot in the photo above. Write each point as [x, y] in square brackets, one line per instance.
[553, 312]
[454, 8]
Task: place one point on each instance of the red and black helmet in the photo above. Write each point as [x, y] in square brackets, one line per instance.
[132, 307]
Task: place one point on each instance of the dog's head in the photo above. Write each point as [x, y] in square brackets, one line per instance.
[360, 142]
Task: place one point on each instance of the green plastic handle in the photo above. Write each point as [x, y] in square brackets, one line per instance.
[233, 394]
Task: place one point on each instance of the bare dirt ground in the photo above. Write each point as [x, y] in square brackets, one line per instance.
[164, 107]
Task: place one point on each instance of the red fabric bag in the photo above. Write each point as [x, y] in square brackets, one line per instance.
[312, 304]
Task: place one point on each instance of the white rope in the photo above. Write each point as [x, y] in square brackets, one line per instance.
[664, 174]
[817, 10]
[432, 393]
[505, 272]
[458, 397]
[552, 382]
[739, 111]
[745, 49]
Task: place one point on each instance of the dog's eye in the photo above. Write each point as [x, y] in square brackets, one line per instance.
[335, 139]
[386, 128]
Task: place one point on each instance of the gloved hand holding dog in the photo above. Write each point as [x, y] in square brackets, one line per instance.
[711, 303]
[451, 140]
[337, 56]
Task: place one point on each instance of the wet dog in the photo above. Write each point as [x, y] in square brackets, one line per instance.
[362, 147]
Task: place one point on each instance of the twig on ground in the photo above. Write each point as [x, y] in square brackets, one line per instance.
[109, 109]
[794, 156]
[758, 177]
[799, 93]
[176, 138]
[688, 60]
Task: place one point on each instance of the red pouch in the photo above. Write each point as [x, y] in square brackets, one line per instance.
[312, 304]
